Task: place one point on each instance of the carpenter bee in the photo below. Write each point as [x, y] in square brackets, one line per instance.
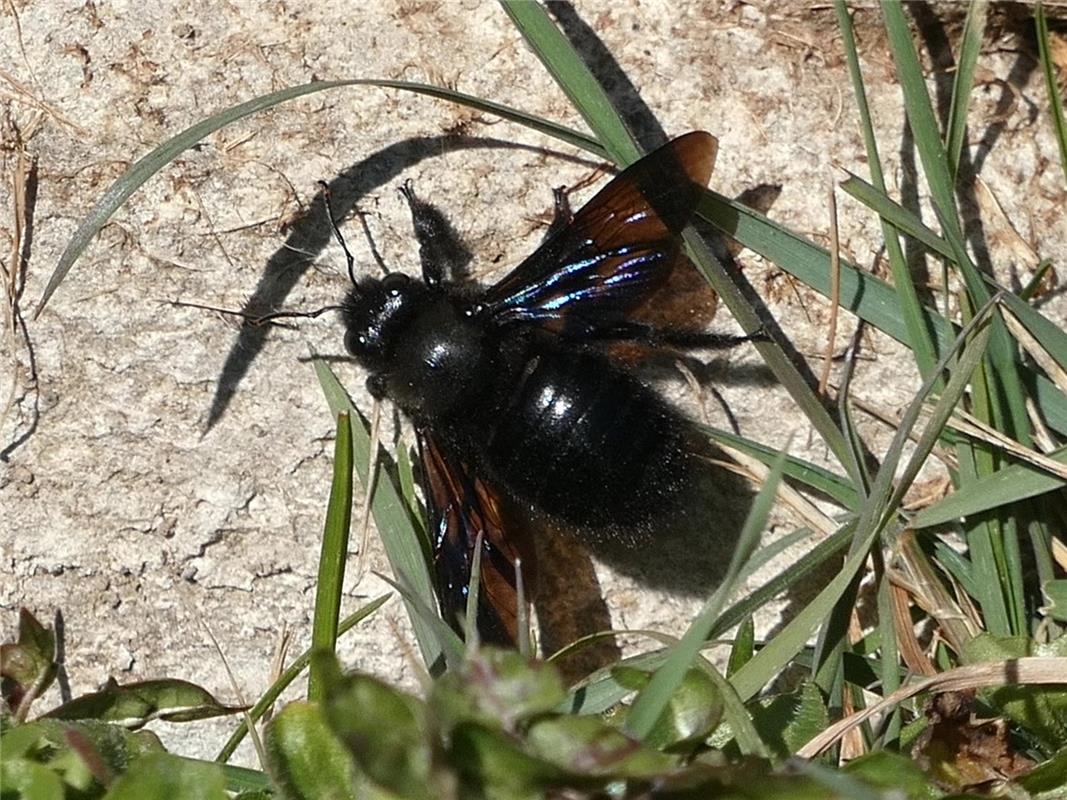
[516, 398]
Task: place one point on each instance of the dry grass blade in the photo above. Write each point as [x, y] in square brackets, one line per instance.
[757, 473]
[921, 581]
[910, 650]
[1033, 348]
[967, 423]
[1014, 671]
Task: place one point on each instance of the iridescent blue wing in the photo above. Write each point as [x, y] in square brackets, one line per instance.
[460, 506]
[620, 247]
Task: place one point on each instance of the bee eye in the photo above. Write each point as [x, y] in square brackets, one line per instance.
[394, 282]
[357, 343]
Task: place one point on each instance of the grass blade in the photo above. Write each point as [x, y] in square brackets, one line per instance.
[793, 637]
[653, 699]
[334, 553]
[1048, 69]
[919, 338]
[400, 539]
[919, 109]
[963, 85]
[290, 674]
[574, 78]
[149, 165]
[811, 475]
[1005, 486]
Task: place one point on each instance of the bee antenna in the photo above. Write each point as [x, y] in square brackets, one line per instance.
[256, 319]
[337, 232]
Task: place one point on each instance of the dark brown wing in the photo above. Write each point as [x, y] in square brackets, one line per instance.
[461, 505]
[620, 247]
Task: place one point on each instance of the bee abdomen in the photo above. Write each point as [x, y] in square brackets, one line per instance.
[588, 444]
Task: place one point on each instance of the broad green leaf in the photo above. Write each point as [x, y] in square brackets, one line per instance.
[588, 746]
[384, 730]
[28, 665]
[498, 688]
[135, 704]
[305, 758]
[895, 773]
[161, 776]
[27, 780]
[789, 721]
[1048, 780]
[1040, 710]
[490, 764]
[64, 747]
[694, 711]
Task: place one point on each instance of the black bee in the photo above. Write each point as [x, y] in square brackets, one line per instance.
[515, 396]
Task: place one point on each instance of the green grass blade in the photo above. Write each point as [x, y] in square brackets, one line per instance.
[963, 84]
[919, 109]
[451, 644]
[1003, 487]
[919, 339]
[773, 355]
[574, 78]
[811, 475]
[406, 476]
[903, 219]
[653, 699]
[149, 165]
[1006, 395]
[1059, 122]
[889, 656]
[334, 553]
[958, 383]
[863, 294]
[877, 512]
[1050, 335]
[290, 674]
[790, 640]
[570, 72]
[400, 539]
[793, 575]
[866, 296]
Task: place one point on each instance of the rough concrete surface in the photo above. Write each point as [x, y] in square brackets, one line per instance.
[144, 527]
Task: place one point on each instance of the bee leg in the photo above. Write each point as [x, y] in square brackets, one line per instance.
[653, 337]
[562, 213]
[441, 253]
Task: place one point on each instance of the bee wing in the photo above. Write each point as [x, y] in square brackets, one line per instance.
[461, 505]
[620, 247]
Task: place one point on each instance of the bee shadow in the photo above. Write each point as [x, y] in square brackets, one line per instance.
[685, 555]
[688, 553]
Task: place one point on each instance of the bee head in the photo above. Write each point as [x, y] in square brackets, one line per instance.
[374, 312]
